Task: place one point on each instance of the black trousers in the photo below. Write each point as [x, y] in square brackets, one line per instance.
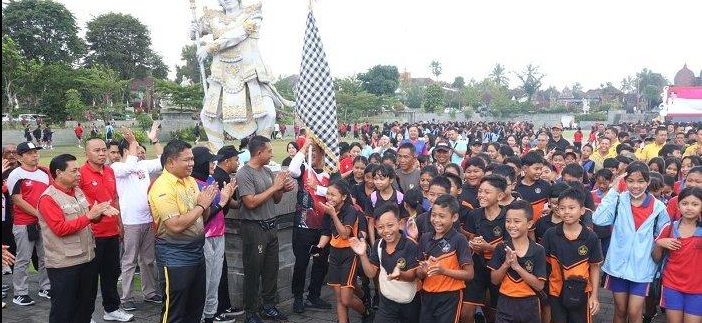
[302, 240]
[261, 265]
[184, 293]
[392, 312]
[223, 300]
[109, 268]
[73, 291]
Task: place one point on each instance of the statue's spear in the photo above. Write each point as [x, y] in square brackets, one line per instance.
[203, 78]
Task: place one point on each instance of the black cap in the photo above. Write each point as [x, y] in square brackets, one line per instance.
[442, 146]
[226, 152]
[202, 155]
[476, 142]
[26, 146]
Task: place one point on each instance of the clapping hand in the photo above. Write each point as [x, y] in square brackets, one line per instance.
[395, 275]
[511, 258]
[289, 185]
[225, 194]
[206, 196]
[434, 267]
[358, 246]
[280, 179]
[98, 210]
[477, 244]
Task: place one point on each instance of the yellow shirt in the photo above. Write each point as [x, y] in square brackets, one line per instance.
[692, 150]
[599, 159]
[613, 149]
[648, 152]
[170, 197]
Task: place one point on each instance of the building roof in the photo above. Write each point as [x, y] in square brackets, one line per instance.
[684, 77]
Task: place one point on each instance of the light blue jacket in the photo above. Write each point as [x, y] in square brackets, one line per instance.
[629, 254]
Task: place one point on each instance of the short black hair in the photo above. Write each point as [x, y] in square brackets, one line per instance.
[624, 147]
[572, 194]
[408, 145]
[532, 158]
[604, 173]
[610, 163]
[387, 208]
[413, 198]
[638, 167]
[429, 169]
[513, 160]
[257, 143]
[448, 201]
[455, 179]
[506, 151]
[690, 191]
[173, 149]
[522, 205]
[495, 181]
[441, 181]
[668, 149]
[60, 162]
[385, 171]
[668, 180]
[656, 183]
[557, 189]
[476, 162]
[574, 170]
[391, 157]
[505, 171]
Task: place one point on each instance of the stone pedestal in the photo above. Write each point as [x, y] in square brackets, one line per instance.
[284, 211]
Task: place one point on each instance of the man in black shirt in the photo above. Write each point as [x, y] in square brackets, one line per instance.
[557, 139]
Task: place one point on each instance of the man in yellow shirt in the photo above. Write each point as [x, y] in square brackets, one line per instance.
[613, 134]
[603, 152]
[695, 149]
[651, 150]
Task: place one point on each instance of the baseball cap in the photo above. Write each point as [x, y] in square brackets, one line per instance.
[226, 152]
[26, 146]
[202, 154]
[557, 125]
[442, 146]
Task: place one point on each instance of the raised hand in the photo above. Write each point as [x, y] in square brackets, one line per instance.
[412, 229]
[153, 133]
[615, 183]
[206, 196]
[511, 258]
[358, 246]
[329, 208]
[127, 134]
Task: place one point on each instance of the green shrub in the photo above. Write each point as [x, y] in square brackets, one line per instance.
[595, 116]
[139, 134]
[145, 121]
[186, 134]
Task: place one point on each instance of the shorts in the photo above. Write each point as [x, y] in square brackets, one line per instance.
[476, 290]
[620, 285]
[391, 311]
[672, 299]
[518, 310]
[342, 267]
[444, 307]
[560, 314]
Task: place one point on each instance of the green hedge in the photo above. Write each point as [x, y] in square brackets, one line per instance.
[187, 134]
[595, 116]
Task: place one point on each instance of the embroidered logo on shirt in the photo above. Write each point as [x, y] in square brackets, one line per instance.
[582, 250]
[94, 182]
[445, 245]
[529, 266]
[401, 263]
[537, 190]
[496, 231]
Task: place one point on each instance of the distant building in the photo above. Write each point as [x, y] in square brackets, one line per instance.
[686, 77]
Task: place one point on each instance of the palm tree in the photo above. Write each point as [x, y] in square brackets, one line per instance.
[499, 76]
[435, 69]
[531, 80]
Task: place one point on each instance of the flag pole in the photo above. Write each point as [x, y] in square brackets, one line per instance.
[203, 78]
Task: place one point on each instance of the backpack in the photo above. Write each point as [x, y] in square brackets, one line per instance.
[398, 194]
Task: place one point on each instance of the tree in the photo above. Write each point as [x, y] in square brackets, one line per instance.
[286, 86]
[74, 105]
[435, 69]
[531, 80]
[43, 30]
[413, 96]
[458, 82]
[499, 76]
[649, 86]
[577, 90]
[380, 80]
[191, 69]
[13, 73]
[122, 43]
[433, 97]
[182, 96]
[46, 86]
[102, 85]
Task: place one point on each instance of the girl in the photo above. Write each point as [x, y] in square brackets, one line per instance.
[688, 162]
[383, 178]
[637, 217]
[682, 283]
[346, 164]
[512, 141]
[672, 167]
[426, 175]
[340, 225]
[359, 167]
[588, 165]
[657, 164]
[525, 144]
[492, 150]
[374, 158]
[413, 205]
[453, 168]
[504, 152]
[292, 150]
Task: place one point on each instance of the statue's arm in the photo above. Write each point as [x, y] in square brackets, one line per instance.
[236, 35]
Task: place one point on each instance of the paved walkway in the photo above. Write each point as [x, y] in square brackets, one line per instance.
[149, 313]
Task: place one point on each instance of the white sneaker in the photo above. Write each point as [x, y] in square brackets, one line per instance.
[119, 315]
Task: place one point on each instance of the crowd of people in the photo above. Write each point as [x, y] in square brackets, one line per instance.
[427, 222]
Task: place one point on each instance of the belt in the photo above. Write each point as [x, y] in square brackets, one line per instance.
[265, 224]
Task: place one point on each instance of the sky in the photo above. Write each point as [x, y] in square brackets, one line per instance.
[591, 42]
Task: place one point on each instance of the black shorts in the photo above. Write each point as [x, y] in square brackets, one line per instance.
[441, 307]
[560, 314]
[477, 289]
[342, 267]
[393, 312]
[518, 310]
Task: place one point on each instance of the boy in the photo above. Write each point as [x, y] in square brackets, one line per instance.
[486, 229]
[445, 264]
[439, 186]
[532, 188]
[519, 268]
[473, 172]
[551, 218]
[574, 254]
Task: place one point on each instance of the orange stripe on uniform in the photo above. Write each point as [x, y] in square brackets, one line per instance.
[458, 307]
[352, 273]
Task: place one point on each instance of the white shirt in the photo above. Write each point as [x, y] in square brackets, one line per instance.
[133, 182]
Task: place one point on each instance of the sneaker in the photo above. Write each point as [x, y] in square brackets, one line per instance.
[234, 311]
[119, 315]
[317, 303]
[4, 294]
[156, 299]
[45, 293]
[5, 287]
[129, 306]
[3, 304]
[222, 318]
[253, 319]
[272, 313]
[298, 305]
[23, 300]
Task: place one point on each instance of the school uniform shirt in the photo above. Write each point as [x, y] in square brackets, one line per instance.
[348, 217]
[573, 256]
[404, 255]
[533, 261]
[469, 197]
[536, 194]
[493, 231]
[30, 185]
[683, 267]
[451, 252]
[396, 198]
[542, 225]
[362, 199]
[672, 209]
[101, 187]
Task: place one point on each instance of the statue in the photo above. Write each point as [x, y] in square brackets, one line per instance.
[586, 105]
[240, 98]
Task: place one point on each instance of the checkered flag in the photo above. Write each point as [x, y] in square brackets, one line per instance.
[315, 102]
